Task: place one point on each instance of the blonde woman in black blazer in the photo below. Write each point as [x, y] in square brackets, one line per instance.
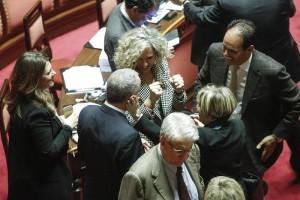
[38, 137]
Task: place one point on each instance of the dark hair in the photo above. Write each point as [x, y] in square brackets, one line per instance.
[246, 29]
[25, 79]
[142, 5]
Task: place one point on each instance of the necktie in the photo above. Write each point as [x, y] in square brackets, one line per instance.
[233, 80]
[182, 189]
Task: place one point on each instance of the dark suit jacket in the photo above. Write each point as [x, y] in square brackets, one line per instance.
[222, 146]
[37, 146]
[271, 101]
[147, 178]
[116, 26]
[108, 145]
[271, 19]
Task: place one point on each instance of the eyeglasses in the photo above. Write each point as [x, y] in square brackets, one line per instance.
[179, 152]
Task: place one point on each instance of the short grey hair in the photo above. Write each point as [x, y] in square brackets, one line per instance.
[179, 126]
[133, 43]
[121, 84]
[216, 101]
[224, 188]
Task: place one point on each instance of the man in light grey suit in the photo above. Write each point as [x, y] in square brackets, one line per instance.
[269, 101]
[155, 174]
[126, 16]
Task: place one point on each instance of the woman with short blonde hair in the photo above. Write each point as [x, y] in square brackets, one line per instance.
[223, 188]
[221, 140]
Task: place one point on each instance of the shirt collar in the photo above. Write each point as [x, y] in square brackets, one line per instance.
[245, 66]
[114, 107]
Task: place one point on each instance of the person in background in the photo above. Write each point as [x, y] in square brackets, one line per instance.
[221, 140]
[126, 16]
[223, 188]
[38, 137]
[146, 51]
[271, 19]
[108, 144]
[170, 170]
[268, 99]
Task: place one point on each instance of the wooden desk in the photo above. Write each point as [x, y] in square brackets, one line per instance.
[90, 56]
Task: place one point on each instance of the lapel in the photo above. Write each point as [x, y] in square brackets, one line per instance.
[253, 78]
[193, 166]
[160, 179]
[220, 70]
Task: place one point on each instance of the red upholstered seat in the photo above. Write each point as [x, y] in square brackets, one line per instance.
[104, 9]
[36, 40]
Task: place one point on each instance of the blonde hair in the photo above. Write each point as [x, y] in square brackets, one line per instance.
[133, 43]
[217, 102]
[223, 188]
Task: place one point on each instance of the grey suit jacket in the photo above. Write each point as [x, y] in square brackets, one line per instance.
[116, 26]
[271, 101]
[146, 179]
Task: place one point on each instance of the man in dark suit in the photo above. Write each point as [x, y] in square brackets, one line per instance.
[269, 101]
[155, 175]
[108, 144]
[126, 16]
[270, 17]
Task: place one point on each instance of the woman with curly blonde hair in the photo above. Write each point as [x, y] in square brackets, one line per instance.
[146, 51]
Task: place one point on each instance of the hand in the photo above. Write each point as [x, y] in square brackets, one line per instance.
[177, 83]
[155, 92]
[195, 117]
[72, 120]
[146, 144]
[132, 106]
[268, 143]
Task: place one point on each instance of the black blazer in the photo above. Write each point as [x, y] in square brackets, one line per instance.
[108, 145]
[37, 146]
[271, 101]
[270, 17]
[222, 146]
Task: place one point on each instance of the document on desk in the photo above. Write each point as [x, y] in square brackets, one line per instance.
[171, 6]
[104, 63]
[97, 41]
[161, 13]
[81, 79]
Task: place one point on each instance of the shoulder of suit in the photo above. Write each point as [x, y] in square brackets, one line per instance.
[145, 162]
[215, 47]
[266, 63]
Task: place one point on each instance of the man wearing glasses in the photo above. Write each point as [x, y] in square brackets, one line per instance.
[170, 170]
[126, 16]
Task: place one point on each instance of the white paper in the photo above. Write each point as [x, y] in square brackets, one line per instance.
[97, 41]
[82, 78]
[161, 12]
[103, 62]
[171, 6]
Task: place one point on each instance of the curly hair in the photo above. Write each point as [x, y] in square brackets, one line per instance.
[133, 43]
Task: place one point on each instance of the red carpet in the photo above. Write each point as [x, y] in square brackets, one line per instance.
[279, 177]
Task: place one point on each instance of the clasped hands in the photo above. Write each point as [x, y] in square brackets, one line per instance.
[156, 89]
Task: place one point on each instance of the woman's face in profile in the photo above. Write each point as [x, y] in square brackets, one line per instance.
[47, 78]
[146, 61]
